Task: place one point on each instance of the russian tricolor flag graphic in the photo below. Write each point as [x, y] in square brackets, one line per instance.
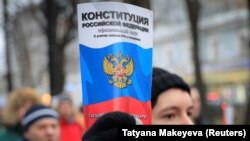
[116, 61]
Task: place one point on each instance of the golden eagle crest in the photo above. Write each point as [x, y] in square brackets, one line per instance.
[118, 69]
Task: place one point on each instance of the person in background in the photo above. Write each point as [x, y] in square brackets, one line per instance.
[71, 129]
[2, 107]
[80, 116]
[19, 101]
[40, 123]
[198, 118]
[171, 99]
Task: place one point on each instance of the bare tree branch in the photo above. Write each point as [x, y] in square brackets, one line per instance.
[23, 56]
[71, 20]
[193, 7]
[40, 21]
[7, 45]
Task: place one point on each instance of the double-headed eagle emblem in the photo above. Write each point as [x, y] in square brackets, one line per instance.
[118, 69]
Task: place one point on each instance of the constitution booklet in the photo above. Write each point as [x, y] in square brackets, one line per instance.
[115, 44]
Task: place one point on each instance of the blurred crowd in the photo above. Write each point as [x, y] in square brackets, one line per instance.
[25, 115]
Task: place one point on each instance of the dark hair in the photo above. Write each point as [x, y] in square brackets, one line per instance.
[106, 127]
[164, 80]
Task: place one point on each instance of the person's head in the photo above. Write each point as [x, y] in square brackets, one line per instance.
[171, 100]
[65, 106]
[196, 102]
[19, 101]
[106, 127]
[40, 123]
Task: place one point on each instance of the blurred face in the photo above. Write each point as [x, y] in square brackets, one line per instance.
[173, 106]
[22, 110]
[65, 109]
[45, 129]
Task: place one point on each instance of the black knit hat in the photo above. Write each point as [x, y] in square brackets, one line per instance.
[36, 113]
[164, 80]
[106, 127]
